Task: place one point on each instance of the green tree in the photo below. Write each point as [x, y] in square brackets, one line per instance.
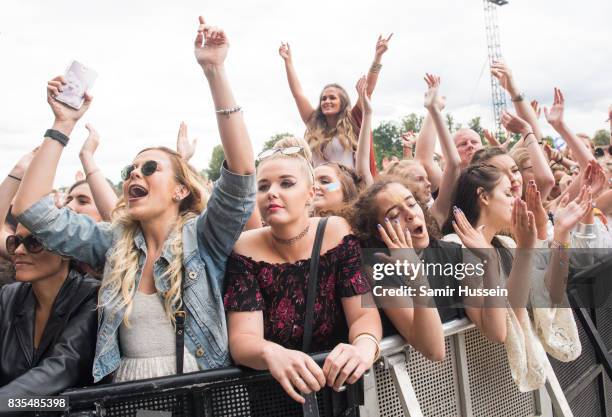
[387, 141]
[474, 124]
[601, 138]
[412, 123]
[270, 142]
[450, 122]
[215, 163]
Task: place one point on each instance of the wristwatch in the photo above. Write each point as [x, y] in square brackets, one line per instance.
[519, 97]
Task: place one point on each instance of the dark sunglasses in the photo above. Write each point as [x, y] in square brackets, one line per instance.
[147, 168]
[30, 242]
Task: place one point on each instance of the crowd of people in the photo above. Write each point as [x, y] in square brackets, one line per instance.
[173, 276]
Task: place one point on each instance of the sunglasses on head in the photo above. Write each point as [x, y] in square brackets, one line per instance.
[291, 150]
[147, 168]
[30, 242]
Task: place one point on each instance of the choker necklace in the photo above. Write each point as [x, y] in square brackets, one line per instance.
[293, 239]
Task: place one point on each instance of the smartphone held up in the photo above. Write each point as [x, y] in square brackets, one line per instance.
[79, 79]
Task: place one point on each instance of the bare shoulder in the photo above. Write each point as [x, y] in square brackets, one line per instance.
[250, 241]
[335, 231]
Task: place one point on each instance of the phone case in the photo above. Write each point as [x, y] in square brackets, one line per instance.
[79, 79]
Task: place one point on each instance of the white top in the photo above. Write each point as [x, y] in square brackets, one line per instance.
[335, 152]
[553, 329]
[148, 345]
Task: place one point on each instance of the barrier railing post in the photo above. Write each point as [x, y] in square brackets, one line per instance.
[403, 386]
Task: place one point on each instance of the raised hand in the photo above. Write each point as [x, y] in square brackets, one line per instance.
[534, 205]
[552, 154]
[536, 108]
[91, 143]
[210, 46]
[502, 72]
[471, 238]
[609, 113]
[408, 139]
[515, 124]
[523, 225]
[285, 51]
[382, 45]
[62, 112]
[568, 214]
[364, 100]
[554, 116]
[490, 137]
[393, 236]
[24, 162]
[184, 147]
[594, 177]
[431, 96]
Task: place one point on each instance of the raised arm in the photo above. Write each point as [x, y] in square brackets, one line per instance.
[425, 149]
[210, 47]
[38, 180]
[523, 108]
[8, 189]
[555, 116]
[103, 194]
[362, 156]
[382, 45]
[543, 176]
[441, 206]
[304, 107]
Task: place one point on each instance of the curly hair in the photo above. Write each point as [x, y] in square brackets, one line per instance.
[364, 213]
[319, 134]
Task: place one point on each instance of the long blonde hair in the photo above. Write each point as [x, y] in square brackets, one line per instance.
[124, 256]
[319, 134]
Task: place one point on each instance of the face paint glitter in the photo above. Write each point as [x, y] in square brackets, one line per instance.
[332, 186]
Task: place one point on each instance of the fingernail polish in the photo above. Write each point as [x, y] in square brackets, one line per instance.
[387, 220]
[379, 226]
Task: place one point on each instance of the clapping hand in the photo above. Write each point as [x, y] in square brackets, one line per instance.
[523, 225]
[515, 124]
[432, 100]
[184, 147]
[364, 100]
[554, 116]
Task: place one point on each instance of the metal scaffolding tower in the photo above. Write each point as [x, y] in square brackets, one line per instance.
[498, 94]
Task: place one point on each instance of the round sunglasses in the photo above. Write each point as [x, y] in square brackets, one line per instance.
[31, 243]
[147, 168]
[291, 150]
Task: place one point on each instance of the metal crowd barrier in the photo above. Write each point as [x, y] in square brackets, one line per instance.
[473, 380]
[227, 392]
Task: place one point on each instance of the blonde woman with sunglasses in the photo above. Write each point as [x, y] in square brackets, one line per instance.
[164, 254]
[267, 286]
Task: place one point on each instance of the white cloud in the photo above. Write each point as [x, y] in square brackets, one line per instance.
[149, 81]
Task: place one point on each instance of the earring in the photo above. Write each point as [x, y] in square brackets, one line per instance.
[176, 198]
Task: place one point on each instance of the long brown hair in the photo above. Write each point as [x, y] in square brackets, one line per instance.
[319, 134]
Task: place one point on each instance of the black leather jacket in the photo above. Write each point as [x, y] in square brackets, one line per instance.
[65, 354]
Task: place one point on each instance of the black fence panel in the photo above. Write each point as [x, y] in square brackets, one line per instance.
[220, 393]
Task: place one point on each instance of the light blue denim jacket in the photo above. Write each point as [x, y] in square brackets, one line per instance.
[207, 242]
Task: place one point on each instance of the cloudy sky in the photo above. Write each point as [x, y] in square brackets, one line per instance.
[149, 81]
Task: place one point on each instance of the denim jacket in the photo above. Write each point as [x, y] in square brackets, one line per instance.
[207, 242]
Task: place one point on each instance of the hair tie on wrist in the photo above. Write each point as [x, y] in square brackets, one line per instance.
[14, 177]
